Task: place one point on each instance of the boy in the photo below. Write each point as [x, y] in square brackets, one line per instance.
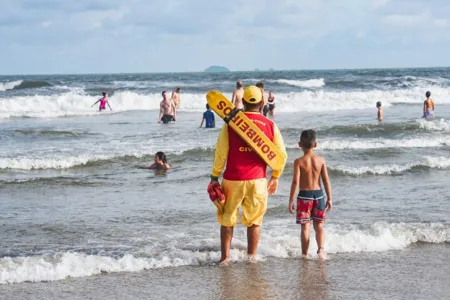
[308, 170]
[208, 115]
[380, 111]
[428, 106]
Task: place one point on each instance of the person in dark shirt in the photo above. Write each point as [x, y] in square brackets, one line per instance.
[208, 116]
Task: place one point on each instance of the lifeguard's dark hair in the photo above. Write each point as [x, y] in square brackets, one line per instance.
[308, 138]
[161, 156]
[252, 106]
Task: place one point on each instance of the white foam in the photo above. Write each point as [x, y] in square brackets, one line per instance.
[9, 85]
[311, 83]
[379, 237]
[424, 82]
[64, 265]
[46, 159]
[76, 102]
[435, 125]
[430, 162]
[320, 100]
[382, 236]
[57, 162]
[380, 143]
[279, 239]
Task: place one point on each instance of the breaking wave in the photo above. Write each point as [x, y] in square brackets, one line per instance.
[278, 243]
[427, 162]
[311, 83]
[4, 86]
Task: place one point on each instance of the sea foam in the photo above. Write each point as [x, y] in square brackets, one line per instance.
[277, 240]
[427, 162]
[311, 83]
[76, 102]
[9, 85]
[380, 143]
[435, 125]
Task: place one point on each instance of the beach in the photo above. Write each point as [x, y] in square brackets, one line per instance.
[81, 219]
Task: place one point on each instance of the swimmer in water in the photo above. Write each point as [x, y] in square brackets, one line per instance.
[271, 102]
[380, 111]
[103, 102]
[238, 94]
[428, 106]
[160, 162]
[208, 116]
[265, 107]
[167, 111]
[176, 97]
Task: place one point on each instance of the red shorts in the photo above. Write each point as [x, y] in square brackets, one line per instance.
[311, 205]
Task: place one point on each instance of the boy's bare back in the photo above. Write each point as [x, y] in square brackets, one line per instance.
[308, 170]
[311, 167]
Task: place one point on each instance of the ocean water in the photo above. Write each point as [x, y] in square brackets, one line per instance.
[81, 219]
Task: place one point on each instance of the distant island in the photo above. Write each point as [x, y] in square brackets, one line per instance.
[217, 69]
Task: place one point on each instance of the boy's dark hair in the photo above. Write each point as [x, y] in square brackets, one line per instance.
[161, 156]
[260, 85]
[207, 106]
[379, 104]
[308, 138]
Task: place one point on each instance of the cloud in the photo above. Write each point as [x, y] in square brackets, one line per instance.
[45, 24]
[360, 34]
[405, 20]
[93, 19]
[440, 22]
[178, 35]
[379, 3]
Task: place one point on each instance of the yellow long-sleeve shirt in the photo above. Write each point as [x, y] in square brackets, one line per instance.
[222, 148]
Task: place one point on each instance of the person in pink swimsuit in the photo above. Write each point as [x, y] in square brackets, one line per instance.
[103, 102]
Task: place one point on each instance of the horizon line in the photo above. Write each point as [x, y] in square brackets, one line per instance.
[231, 71]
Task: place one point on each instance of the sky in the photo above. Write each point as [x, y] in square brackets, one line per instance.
[112, 36]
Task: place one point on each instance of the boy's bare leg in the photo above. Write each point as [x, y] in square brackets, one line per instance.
[320, 238]
[252, 240]
[305, 238]
[226, 235]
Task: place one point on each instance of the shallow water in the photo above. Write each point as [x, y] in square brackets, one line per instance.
[75, 202]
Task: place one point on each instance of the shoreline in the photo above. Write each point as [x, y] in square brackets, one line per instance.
[412, 273]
